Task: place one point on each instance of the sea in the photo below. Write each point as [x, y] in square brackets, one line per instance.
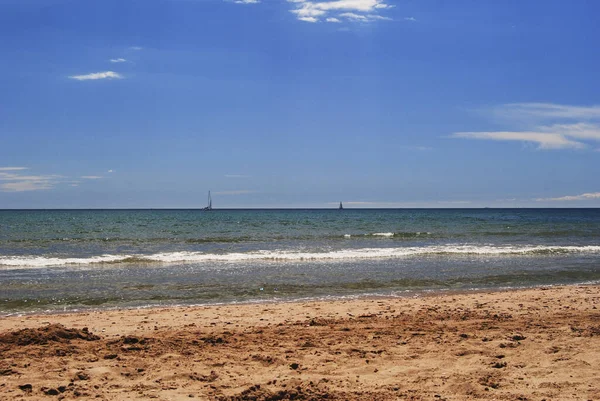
[72, 260]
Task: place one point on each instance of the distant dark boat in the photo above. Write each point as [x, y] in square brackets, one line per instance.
[209, 207]
[341, 206]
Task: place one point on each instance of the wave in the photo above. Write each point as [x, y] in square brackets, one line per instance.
[288, 255]
[415, 234]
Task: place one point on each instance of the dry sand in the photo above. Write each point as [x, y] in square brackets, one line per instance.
[537, 344]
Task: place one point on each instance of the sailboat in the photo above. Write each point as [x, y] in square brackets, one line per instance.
[209, 207]
[341, 207]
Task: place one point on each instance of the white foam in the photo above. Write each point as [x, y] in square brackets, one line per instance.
[40, 261]
[383, 234]
[285, 255]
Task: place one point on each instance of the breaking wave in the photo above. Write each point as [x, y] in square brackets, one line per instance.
[289, 255]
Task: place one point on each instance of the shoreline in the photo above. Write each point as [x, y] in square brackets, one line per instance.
[537, 343]
[408, 294]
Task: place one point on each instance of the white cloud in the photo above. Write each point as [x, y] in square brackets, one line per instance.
[304, 13]
[97, 75]
[22, 186]
[235, 192]
[363, 17]
[547, 111]
[550, 126]
[544, 140]
[582, 197]
[411, 19]
[383, 5]
[317, 11]
[117, 60]
[578, 130]
[373, 17]
[110, 171]
[136, 48]
[15, 182]
[12, 179]
[354, 10]
[12, 168]
[19, 177]
[354, 16]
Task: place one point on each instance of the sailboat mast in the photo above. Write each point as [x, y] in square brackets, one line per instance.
[209, 206]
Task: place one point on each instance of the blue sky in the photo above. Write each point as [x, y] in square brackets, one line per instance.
[274, 103]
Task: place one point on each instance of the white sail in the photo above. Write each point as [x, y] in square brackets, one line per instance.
[209, 207]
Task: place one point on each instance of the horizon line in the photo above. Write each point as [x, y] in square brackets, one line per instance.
[297, 208]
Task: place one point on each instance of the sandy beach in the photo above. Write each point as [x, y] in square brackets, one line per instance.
[534, 344]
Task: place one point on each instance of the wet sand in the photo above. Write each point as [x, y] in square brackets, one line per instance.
[535, 344]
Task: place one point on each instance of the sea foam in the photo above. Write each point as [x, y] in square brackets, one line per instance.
[8, 262]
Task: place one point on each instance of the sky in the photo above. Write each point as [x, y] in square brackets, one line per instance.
[298, 103]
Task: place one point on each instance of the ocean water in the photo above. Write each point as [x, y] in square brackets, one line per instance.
[63, 260]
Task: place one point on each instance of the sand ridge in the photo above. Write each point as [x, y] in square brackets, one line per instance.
[535, 344]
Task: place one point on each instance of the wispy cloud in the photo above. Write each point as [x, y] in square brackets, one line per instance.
[547, 111]
[14, 179]
[12, 168]
[362, 17]
[246, 1]
[22, 186]
[234, 192]
[118, 60]
[543, 140]
[570, 198]
[97, 75]
[17, 182]
[411, 19]
[550, 126]
[136, 48]
[338, 10]
[111, 171]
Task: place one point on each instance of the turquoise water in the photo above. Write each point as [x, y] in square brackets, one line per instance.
[73, 259]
